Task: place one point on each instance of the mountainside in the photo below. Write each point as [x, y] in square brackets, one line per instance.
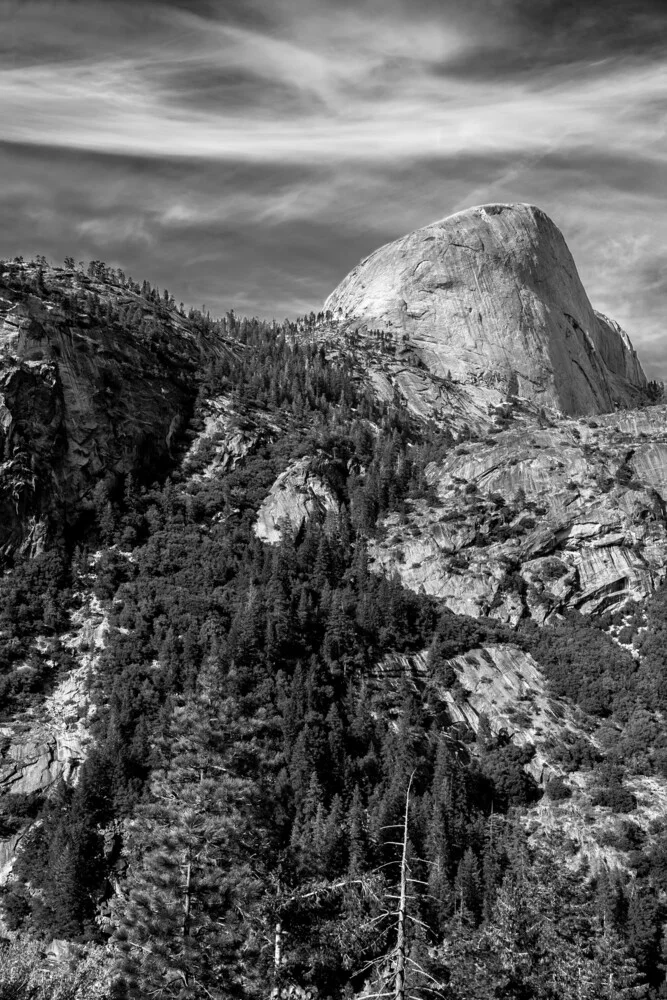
[539, 518]
[490, 298]
[268, 590]
[96, 382]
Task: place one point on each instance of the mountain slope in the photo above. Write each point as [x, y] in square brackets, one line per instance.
[97, 379]
[537, 518]
[491, 298]
[242, 669]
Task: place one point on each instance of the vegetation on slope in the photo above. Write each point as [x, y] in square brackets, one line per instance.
[233, 829]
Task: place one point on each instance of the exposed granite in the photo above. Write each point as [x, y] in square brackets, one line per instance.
[484, 304]
[50, 741]
[536, 520]
[297, 495]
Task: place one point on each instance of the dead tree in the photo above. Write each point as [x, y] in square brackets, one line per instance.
[406, 974]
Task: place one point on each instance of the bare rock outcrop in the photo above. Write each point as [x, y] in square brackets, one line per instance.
[297, 495]
[501, 682]
[8, 850]
[536, 520]
[506, 685]
[226, 436]
[489, 300]
[50, 740]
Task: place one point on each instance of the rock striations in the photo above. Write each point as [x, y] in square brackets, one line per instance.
[491, 298]
[534, 521]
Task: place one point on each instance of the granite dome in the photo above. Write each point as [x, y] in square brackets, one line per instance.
[491, 296]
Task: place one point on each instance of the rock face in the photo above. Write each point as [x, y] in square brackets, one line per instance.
[535, 520]
[96, 381]
[490, 300]
[503, 683]
[226, 438]
[296, 496]
[37, 758]
[51, 740]
[506, 685]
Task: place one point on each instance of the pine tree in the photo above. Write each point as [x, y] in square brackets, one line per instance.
[182, 919]
[357, 834]
[469, 888]
[614, 974]
[643, 928]
[73, 875]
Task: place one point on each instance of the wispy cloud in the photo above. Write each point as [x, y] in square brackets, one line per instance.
[248, 153]
[360, 92]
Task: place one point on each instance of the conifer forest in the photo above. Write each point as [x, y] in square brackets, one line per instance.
[279, 796]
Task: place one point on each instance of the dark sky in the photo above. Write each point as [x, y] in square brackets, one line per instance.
[247, 153]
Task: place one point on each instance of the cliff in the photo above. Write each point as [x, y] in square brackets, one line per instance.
[490, 301]
[97, 379]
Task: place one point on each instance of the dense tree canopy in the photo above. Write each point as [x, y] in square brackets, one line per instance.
[234, 826]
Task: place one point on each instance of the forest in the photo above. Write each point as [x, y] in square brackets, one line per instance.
[256, 798]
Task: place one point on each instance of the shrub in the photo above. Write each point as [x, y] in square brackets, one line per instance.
[615, 797]
[25, 976]
[557, 790]
[504, 766]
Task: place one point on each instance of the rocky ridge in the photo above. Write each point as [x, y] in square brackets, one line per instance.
[97, 379]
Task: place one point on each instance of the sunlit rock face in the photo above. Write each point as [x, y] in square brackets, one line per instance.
[537, 520]
[49, 742]
[296, 496]
[500, 682]
[490, 300]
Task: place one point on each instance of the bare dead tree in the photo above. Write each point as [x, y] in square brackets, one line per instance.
[406, 974]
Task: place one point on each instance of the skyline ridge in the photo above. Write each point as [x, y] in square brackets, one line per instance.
[246, 155]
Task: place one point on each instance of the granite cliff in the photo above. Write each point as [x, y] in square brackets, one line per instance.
[487, 303]
[97, 379]
[534, 520]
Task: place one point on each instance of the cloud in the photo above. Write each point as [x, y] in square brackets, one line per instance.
[117, 107]
[247, 154]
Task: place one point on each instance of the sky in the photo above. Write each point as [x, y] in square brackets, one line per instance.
[247, 154]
